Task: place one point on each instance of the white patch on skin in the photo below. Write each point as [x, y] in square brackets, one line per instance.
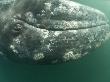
[85, 53]
[86, 30]
[17, 40]
[13, 48]
[98, 44]
[70, 55]
[57, 33]
[44, 33]
[73, 31]
[75, 24]
[107, 36]
[48, 46]
[71, 3]
[48, 6]
[29, 14]
[38, 56]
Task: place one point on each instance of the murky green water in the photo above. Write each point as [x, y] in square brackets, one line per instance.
[94, 67]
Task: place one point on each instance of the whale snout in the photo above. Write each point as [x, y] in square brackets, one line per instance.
[69, 15]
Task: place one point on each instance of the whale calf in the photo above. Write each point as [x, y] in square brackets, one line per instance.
[50, 31]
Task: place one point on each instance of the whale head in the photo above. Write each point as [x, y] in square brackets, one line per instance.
[50, 31]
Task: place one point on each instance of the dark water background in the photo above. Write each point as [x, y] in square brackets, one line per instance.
[94, 67]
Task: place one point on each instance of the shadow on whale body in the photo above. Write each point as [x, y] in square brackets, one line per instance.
[50, 31]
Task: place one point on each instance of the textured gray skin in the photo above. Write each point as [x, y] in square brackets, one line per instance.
[50, 31]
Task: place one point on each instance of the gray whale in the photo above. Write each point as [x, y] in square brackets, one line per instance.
[50, 31]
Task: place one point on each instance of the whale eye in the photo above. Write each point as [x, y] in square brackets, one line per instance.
[17, 29]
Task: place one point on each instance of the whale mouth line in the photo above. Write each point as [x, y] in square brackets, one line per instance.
[95, 26]
[44, 27]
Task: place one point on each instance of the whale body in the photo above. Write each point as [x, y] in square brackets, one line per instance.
[50, 31]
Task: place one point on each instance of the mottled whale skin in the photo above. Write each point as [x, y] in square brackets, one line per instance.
[50, 31]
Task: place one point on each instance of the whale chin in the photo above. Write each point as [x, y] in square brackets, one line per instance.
[51, 31]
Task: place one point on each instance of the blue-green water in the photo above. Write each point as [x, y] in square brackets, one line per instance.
[94, 67]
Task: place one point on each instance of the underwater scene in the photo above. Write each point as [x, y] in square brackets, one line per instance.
[72, 46]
